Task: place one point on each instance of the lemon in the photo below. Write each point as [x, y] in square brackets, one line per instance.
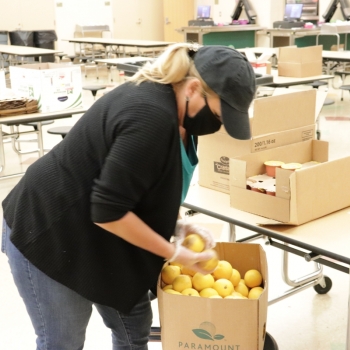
[175, 263]
[187, 271]
[182, 282]
[255, 292]
[200, 281]
[210, 264]
[207, 292]
[190, 292]
[223, 270]
[242, 289]
[236, 296]
[168, 286]
[235, 277]
[172, 291]
[253, 278]
[223, 286]
[194, 242]
[169, 272]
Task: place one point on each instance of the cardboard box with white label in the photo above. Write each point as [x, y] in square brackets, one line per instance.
[275, 121]
[55, 86]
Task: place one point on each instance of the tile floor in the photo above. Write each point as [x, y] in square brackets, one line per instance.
[305, 321]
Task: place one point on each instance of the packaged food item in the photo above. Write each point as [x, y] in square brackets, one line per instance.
[291, 166]
[271, 166]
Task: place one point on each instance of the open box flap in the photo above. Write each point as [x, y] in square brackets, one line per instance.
[283, 112]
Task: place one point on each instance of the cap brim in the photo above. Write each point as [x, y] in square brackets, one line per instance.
[235, 122]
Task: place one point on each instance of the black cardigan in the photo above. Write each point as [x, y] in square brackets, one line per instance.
[122, 155]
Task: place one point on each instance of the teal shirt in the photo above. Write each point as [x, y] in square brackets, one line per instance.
[189, 163]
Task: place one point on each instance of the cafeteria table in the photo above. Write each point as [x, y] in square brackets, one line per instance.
[119, 43]
[279, 81]
[27, 118]
[312, 240]
[119, 61]
[23, 51]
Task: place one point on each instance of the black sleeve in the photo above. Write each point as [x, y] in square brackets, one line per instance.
[134, 163]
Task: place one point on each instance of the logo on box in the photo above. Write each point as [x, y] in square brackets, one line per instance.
[207, 330]
[223, 166]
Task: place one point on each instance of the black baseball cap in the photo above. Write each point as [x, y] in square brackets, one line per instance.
[229, 74]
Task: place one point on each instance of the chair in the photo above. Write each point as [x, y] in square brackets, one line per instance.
[60, 130]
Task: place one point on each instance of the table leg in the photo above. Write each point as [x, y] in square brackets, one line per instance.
[2, 59]
[2, 152]
[232, 232]
[40, 140]
[348, 325]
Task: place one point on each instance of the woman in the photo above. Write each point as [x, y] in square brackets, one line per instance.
[90, 223]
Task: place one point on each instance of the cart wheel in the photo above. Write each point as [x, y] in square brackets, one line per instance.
[270, 343]
[320, 290]
[318, 135]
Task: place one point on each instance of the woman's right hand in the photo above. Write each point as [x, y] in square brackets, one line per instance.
[189, 258]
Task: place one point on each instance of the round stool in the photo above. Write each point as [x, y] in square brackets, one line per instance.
[344, 87]
[60, 130]
[61, 55]
[316, 84]
[94, 89]
[328, 102]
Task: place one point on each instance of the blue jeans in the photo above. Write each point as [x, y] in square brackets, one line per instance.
[60, 316]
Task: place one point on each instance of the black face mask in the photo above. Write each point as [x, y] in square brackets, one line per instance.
[203, 123]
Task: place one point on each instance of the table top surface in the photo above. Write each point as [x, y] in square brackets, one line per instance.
[280, 81]
[261, 50]
[36, 117]
[124, 60]
[329, 233]
[121, 42]
[226, 28]
[310, 31]
[26, 50]
[326, 54]
[336, 55]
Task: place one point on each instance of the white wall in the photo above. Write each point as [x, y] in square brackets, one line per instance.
[69, 13]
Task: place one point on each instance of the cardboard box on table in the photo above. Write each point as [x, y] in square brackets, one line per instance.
[276, 121]
[300, 62]
[261, 64]
[55, 86]
[302, 195]
[203, 323]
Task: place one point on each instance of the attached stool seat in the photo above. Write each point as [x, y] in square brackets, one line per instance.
[16, 141]
[317, 83]
[35, 124]
[343, 74]
[94, 89]
[60, 130]
[328, 102]
[344, 87]
[61, 55]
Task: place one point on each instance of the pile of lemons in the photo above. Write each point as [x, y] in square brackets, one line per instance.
[224, 282]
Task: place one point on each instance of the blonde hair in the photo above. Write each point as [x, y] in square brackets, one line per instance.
[173, 66]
